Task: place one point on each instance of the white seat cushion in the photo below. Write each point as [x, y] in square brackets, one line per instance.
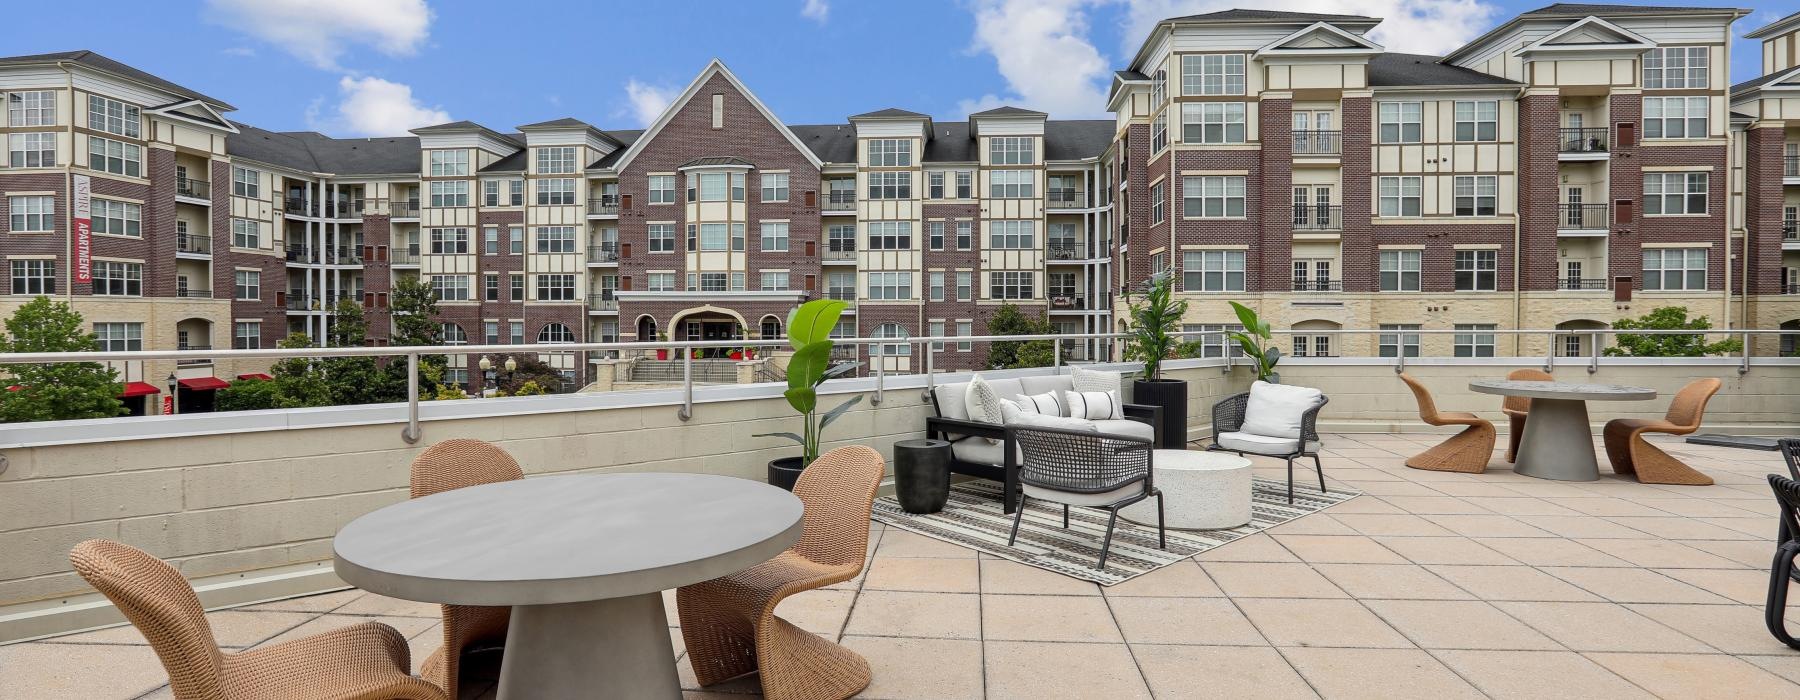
[977, 451]
[1262, 444]
[1275, 410]
[1104, 498]
[1129, 428]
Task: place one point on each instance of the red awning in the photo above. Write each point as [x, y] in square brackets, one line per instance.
[203, 383]
[255, 375]
[138, 389]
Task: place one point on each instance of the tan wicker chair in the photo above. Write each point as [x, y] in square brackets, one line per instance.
[1468, 451]
[446, 466]
[1516, 408]
[367, 661]
[729, 623]
[1630, 453]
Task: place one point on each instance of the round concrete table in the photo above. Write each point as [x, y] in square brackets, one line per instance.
[1558, 444]
[582, 560]
[1203, 490]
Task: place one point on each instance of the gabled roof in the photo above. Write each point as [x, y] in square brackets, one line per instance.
[563, 123]
[1076, 139]
[1584, 9]
[1780, 26]
[1130, 76]
[185, 110]
[715, 68]
[835, 143]
[1571, 38]
[1269, 16]
[890, 113]
[514, 162]
[714, 161]
[94, 61]
[1405, 69]
[1009, 111]
[1340, 42]
[1762, 81]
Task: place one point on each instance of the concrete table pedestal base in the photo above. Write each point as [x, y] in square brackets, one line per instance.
[1558, 444]
[617, 647]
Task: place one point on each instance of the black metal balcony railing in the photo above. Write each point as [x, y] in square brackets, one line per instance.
[603, 205]
[1316, 217]
[185, 346]
[1066, 198]
[1587, 140]
[1790, 166]
[406, 209]
[193, 293]
[1065, 251]
[1581, 283]
[839, 201]
[1318, 143]
[1066, 301]
[193, 243]
[344, 209]
[1306, 285]
[1581, 216]
[603, 253]
[192, 188]
[1790, 230]
[404, 257]
[343, 255]
[604, 301]
[841, 294]
[1790, 288]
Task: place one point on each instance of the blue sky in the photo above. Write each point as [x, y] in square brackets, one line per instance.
[374, 67]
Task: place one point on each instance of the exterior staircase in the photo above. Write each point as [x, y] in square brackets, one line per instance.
[706, 371]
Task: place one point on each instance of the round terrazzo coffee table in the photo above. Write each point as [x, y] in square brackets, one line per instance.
[1201, 491]
[1558, 443]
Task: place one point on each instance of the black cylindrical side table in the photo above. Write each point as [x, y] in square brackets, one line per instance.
[922, 475]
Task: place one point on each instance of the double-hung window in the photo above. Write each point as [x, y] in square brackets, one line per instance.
[450, 287]
[119, 337]
[775, 281]
[119, 278]
[1011, 284]
[890, 285]
[515, 240]
[890, 235]
[775, 236]
[840, 286]
[1212, 122]
[1012, 234]
[490, 240]
[1213, 271]
[1212, 74]
[1477, 270]
[1477, 120]
[715, 237]
[965, 235]
[449, 241]
[113, 117]
[1159, 131]
[841, 238]
[117, 218]
[556, 190]
[247, 285]
[935, 235]
[1399, 270]
[1399, 122]
[1011, 184]
[662, 238]
[246, 182]
[246, 233]
[1212, 196]
[1011, 150]
[662, 189]
[774, 187]
[1157, 196]
[31, 150]
[490, 291]
[1674, 269]
[934, 184]
[1397, 342]
[515, 286]
[449, 163]
[890, 185]
[33, 276]
[965, 329]
[1476, 195]
[935, 286]
[34, 108]
[555, 160]
[32, 213]
[556, 239]
[515, 189]
[965, 285]
[560, 287]
[1677, 68]
[116, 157]
[490, 193]
[965, 184]
[1675, 193]
[246, 335]
[450, 194]
[1675, 117]
[661, 281]
[890, 153]
[1399, 195]
[1474, 340]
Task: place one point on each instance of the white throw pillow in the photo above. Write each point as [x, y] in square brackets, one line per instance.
[1094, 405]
[1095, 380]
[1017, 418]
[983, 404]
[1046, 404]
[1275, 410]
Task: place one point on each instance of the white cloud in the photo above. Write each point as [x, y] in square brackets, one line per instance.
[647, 102]
[1408, 26]
[1042, 49]
[370, 106]
[240, 51]
[320, 31]
[815, 10]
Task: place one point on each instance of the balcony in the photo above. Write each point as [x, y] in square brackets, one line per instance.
[1582, 144]
[404, 258]
[193, 293]
[193, 244]
[840, 251]
[603, 206]
[343, 255]
[1313, 217]
[190, 188]
[1067, 302]
[408, 209]
[1065, 198]
[344, 209]
[1583, 219]
[603, 255]
[1790, 288]
[193, 363]
[839, 202]
[1065, 251]
[1318, 143]
[1305, 285]
[1580, 284]
[602, 302]
[1790, 169]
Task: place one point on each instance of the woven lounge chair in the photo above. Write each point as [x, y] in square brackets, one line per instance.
[1516, 409]
[1787, 496]
[366, 661]
[1085, 468]
[1234, 431]
[1630, 453]
[446, 466]
[729, 623]
[1790, 453]
[1467, 451]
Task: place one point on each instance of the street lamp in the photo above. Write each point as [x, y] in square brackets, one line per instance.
[487, 373]
[174, 398]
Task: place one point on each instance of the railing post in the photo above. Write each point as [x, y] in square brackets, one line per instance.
[1595, 339]
[1550, 355]
[410, 433]
[687, 385]
[880, 374]
[1744, 367]
[930, 371]
[1056, 350]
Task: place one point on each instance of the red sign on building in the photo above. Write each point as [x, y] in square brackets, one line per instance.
[84, 229]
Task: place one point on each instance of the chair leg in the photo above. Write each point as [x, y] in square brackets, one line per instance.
[1018, 515]
[1290, 465]
[1106, 544]
[1775, 609]
[1515, 428]
[1065, 516]
[720, 641]
[1162, 535]
[1320, 468]
[1654, 466]
[1467, 452]
[799, 665]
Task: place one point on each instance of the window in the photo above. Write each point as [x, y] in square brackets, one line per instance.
[453, 334]
[450, 194]
[1475, 195]
[490, 333]
[1012, 285]
[490, 240]
[840, 286]
[662, 238]
[33, 213]
[841, 238]
[119, 278]
[450, 287]
[965, 184]
[1212, 197]
[1214, 342]
[515, 240]
[246, 335]
[1159, 132]
[449, 241]
[1212, 122]
[490, 193]
[936, 236]
[1675, 117]
[774, 187]
[1400, 122]
[935, 329]
[246, 233]
[1156, 204]
[774, 236]
[1395, 342]
[712, 281]
[934, 185]
[1676, 68]
[33, 276]
[965, 235]
[771, 327]
[31, 150]
[112, 116]
[885, 153]
[965, 285]
[774, 281]
[890, 330]
[449, 163]
[965, 329]
[1213, 271]
[1212, 74]
[515, 189]
[1159, 262]
[490, 287]
[1011, 150]
[556, 190]
[662, 281]
[1474, 340]
[890, 235]
[1476, 270]
[36, 108]
[737, 237]
[117, 218]
[890, 185]
[1060, 284]
[1312, 275]
[841, 191]
[516, 286]
[1478, 120]
[556, 239]
[1675, 193]
[1159, 88]
[1312, 346]
[662, 189]
[1011, 184]
[119, 337]
[556, 333]
[556, 160]
[248, 285]
[1399, 196]
[1399, 270]
[890, 285]
[116, 157]
[1012, 234]
[715, 233]
[936, 286]
[1673, 269]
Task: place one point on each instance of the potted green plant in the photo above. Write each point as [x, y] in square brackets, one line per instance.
[1254, 339]
[1154, 320]
[809, 332]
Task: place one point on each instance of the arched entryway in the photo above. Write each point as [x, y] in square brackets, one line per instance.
[1790, 344]
[1316, 338]
[708, 323]
[1578, 344]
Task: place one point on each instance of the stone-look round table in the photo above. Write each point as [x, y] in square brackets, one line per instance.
[581, 559]
[1202, 490]
[1558, 443]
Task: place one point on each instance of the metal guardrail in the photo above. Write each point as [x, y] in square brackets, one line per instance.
[839, 202]
[1318, 143]
[1569, 284]
[603, 254]
[1304, 285]
[1790, 166]
[192, 188]
[193, 243]
[1065, 199]
[1315, 217]
[1587, 140]
[1570, 217]
[603, 205]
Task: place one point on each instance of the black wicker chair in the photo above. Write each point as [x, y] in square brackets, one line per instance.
[1787, 495]
[1007, 472]
[1790, 453]
[1228, 417]
[1089, 469]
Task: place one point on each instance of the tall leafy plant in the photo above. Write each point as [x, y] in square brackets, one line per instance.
[809, 332]
[1254, 339]
[1154, 320]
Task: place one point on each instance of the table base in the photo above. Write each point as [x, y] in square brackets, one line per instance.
[612, 648]
[1557, 443]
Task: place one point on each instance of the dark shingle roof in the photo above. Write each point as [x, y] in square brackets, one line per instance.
[311, 151]
[514, 163]
[104, 64]
[1404, 69]
[1268, 15]
[556, 123]
[460, 125]
[1760, 81]
[950, 143]
[1074, 139]
[1009, 111]
[717, 160]
[1130, 76]
[625, 139]
[889, 112]
[832, 143]
[1583, 10]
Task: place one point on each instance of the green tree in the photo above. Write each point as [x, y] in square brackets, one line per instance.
[59, 391]
[527, 369]
[356, 380]
[1011, 354]
[298, 382]
[1668, 318]
[416, 324]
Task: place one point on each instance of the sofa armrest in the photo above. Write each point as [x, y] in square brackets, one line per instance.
[1148, 414]
[945, 427]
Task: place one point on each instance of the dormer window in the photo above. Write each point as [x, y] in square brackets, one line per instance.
[451, 163]
[556, 160]
[1011, 150]
[890, 153]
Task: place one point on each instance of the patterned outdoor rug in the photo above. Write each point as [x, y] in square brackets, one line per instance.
[972, 518]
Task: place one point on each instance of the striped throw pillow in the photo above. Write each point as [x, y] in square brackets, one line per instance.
[1094, 405]
[1045, 404]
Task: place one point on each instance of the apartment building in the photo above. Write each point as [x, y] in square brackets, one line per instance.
[1575, 165]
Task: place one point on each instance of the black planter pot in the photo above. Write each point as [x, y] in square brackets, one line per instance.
[785, 471]
[922, 475]
[1171, 395]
